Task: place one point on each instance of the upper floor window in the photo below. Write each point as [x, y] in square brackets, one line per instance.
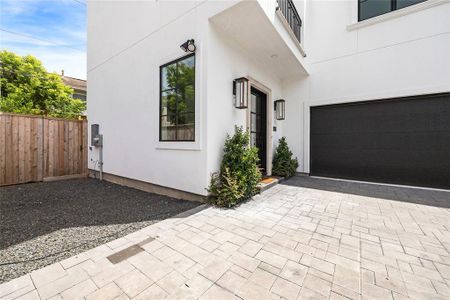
[177, 100]
[371, 8]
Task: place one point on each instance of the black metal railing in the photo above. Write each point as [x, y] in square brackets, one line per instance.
[292, 17]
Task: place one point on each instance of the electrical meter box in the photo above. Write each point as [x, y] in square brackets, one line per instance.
[96, 137]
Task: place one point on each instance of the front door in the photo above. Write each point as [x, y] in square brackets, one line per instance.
[258, 121]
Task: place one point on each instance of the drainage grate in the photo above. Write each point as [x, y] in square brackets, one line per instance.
[128, 252]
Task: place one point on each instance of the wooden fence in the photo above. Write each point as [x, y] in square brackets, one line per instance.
[36, 148]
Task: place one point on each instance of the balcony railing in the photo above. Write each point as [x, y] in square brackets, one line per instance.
[292, 17]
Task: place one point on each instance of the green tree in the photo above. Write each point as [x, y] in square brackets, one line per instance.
[27, 88]
[283, 163]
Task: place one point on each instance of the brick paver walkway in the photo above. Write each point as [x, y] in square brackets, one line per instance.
[290, 242]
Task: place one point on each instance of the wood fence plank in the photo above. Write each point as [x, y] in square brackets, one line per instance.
[70, 147]
[15, 149]
[66, 149]
[37, 154]
[77, 148]
[46, 146]
[61, 148]
[33, 148]
[9, 164]
[57, 150]
[40, 149]
[35, 126]
[55, 147]
[2, 149]
[27, 141]
[81, 147]
[51, 148]
[21, 150]
[74, 146]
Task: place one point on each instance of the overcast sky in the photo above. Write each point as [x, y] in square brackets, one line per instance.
[52, 30]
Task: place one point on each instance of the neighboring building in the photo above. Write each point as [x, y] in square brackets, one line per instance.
[78, 85]
[366, 87]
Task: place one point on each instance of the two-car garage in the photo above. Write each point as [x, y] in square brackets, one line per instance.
[399, 141]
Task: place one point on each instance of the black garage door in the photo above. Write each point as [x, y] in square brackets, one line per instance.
[400, 141]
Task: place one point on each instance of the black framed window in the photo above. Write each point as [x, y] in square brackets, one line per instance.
[371, 8]
[177, 100]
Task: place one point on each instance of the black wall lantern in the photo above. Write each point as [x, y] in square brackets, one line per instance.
[188, 46]
[280, 109]
[241, 92]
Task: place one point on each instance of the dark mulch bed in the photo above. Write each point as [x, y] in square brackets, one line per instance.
[39, 219]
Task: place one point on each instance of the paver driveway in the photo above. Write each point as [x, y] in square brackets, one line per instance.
[293, 241]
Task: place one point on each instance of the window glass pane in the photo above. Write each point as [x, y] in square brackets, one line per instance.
[253, 103]
[186, 118]
[186, 100]
[169, 77]
[253, 139]
[189, 62]
[186, 128]
[185, 85]
[253, 122]
[168, 128]
[178, 99]
[190, 98]
[405, 3]
[186, 132]
[373, 8]
[169, 103]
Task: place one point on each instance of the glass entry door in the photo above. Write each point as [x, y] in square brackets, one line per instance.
[258, 127]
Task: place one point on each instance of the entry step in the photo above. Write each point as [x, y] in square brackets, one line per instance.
[268, 182]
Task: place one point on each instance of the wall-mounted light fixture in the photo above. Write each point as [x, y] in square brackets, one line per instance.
[280, 109]
[188, 46]
[241, 92]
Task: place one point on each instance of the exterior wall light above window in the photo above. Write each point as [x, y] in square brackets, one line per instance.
[280, 109]
[241, 90]
[188, 46]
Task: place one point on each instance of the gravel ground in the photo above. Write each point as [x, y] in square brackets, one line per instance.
[57, 220]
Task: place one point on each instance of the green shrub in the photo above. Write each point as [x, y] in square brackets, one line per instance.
[283, 163]
[239, 174]
[225, 189]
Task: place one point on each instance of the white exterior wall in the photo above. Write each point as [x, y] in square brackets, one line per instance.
[127, 43]
[129, 40]
[228, 62]
[403, 56]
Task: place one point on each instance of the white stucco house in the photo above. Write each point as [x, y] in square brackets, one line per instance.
[365, 84]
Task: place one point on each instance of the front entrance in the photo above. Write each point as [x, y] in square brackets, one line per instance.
[258, 127]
